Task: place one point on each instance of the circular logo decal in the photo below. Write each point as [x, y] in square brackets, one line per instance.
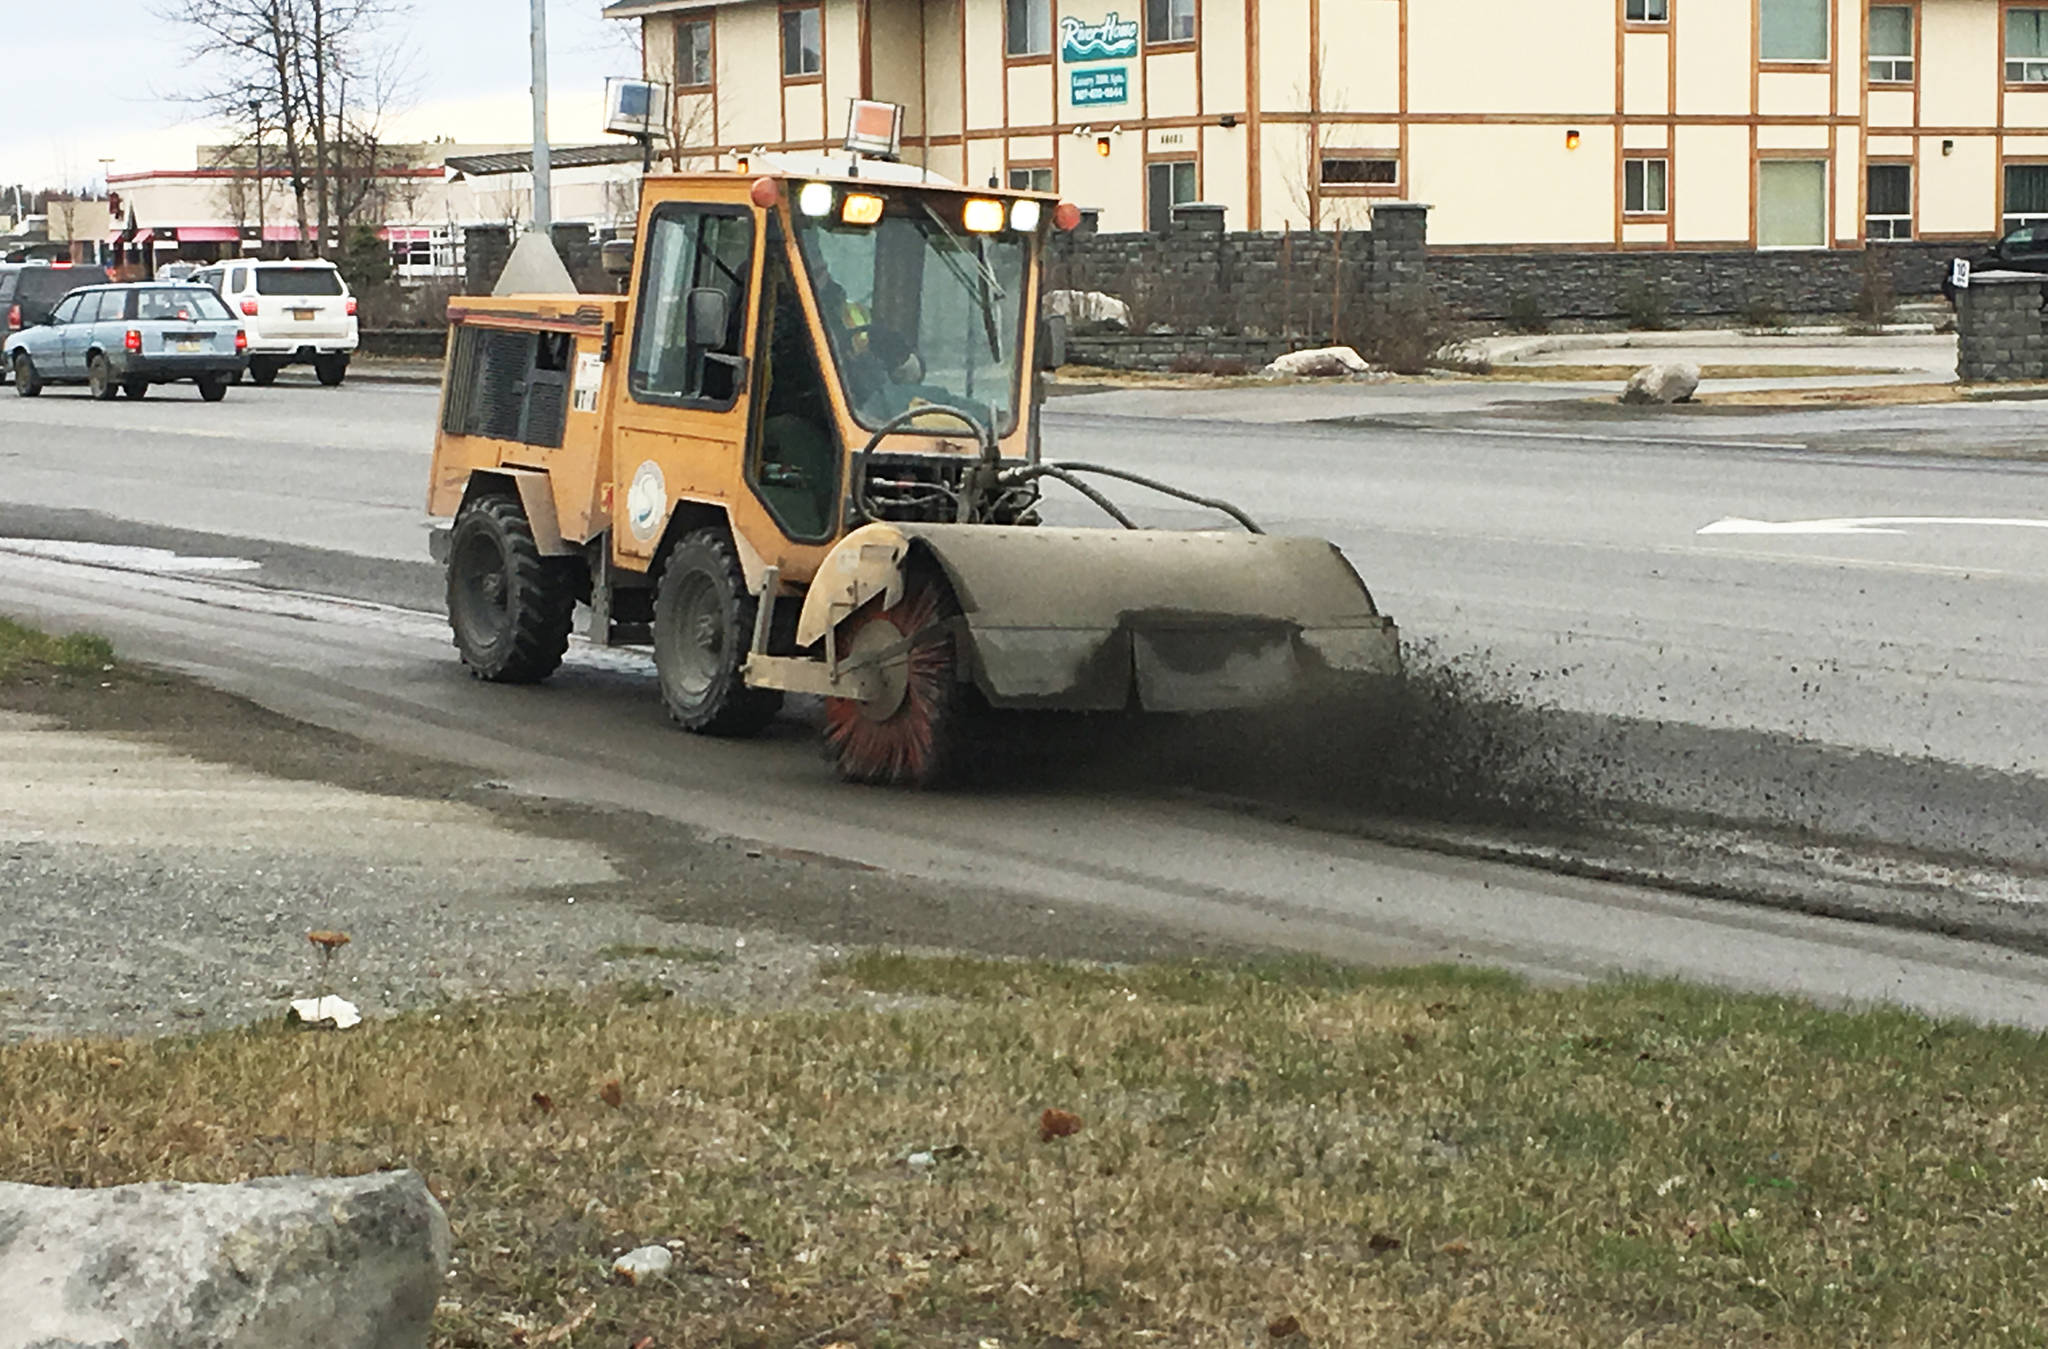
[646, 500]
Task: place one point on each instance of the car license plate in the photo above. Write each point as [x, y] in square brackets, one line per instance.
[302, 315]
[190, 344]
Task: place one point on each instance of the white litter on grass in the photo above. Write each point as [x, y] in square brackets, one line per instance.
[339, 1012]
[161, 561]
[645, 1263]
[2039, 1185]
[1666, 1187]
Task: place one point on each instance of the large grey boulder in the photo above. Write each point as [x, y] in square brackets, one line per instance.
[1089, 310]
[348, 1263]
[1670, 382]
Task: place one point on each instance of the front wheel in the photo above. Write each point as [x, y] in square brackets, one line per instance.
[511, 609]
[27, 383]
[917, 734]
[212, 388]
[99, 378]
[703, 625]
[331, 370]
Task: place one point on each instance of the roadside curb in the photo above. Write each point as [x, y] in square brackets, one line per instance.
[1509, 351]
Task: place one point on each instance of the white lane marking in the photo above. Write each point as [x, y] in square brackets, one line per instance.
[1866, 524]
[122, 557]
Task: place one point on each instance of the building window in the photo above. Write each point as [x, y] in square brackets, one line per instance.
[1037, 178]
[2026, 195]
[1889, 211]
[803, 43]
[1342, 169]
[2026, 46]
[693, 54]
[1649, 11]
[1168, 183]
[1645, 186]
[1792, 203]
[1027, 27]
[1891, 44]
[1795, 30]
[1169, 21]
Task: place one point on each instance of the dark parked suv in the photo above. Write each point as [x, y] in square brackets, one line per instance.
[30, 290]
[2022, 250]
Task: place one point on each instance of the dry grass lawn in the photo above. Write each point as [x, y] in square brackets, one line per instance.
[25, 651]
[1426, 1157]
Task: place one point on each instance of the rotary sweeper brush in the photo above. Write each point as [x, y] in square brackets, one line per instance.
[801, 455]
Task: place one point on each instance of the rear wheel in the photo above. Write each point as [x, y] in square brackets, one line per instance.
[511, 608]
[262, 373]
[212, 388]
[27, 383]
[917, 735]
[331, 370]
[703, 625]
[135, 388]
[99, 378]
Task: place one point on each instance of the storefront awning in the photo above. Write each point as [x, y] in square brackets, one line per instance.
[208, 234]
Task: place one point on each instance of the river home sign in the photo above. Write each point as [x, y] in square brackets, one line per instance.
[1114, 39]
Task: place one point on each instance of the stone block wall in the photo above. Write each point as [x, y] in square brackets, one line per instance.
[1999, 334]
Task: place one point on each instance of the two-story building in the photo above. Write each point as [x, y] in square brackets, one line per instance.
[1522, 123]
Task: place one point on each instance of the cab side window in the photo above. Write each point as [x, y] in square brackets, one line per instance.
[698, 262]
[67, 309]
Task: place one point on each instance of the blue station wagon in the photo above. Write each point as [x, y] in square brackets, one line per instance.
[123, 339]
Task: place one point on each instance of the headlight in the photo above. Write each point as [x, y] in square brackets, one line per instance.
[815, 200]
[983, 216]
[860, 208]
[1024, 217]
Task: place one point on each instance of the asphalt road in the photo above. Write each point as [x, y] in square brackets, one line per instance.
[1566, 556]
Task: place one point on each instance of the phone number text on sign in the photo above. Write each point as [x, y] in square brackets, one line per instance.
[1093, 88]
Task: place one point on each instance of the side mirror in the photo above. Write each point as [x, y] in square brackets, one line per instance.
[706, 311]
[1052, 341]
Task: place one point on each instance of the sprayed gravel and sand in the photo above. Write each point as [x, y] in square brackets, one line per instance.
[146, 890]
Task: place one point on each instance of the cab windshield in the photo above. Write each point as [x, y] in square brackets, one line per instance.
[918, 310]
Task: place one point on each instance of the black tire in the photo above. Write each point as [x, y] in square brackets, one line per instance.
[703, 625]
[331, 370]
[27, 383]
[137, 389]
[99, 378]
[511, 609]
[213, 388]
[262, 374]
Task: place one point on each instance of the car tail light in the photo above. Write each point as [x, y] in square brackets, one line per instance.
[249, 308]
[351, 306]
[14, 317]
[241, 340]
[134, 342]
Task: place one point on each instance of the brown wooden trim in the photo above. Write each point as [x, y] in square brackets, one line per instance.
[1315, 109]
[1568, 119]
[867, 54]
[1402, 75]
[1620, 105]
[1590, 245]
[1042, 59]
[960, 11]
[1255, 147]
[1820, 66]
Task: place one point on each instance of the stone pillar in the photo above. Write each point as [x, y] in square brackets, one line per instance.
[579, 254]
[1399, 264]
[1998, 329]
[1198, 217]
[485, 249]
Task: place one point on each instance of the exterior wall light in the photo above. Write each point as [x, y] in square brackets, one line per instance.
[1948, 147]
[1571, 139]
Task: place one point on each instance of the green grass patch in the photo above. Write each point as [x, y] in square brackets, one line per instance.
[1423, 1157]
[25, 652]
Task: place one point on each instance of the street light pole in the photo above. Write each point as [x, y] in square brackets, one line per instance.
[543, 214]
[256, 115]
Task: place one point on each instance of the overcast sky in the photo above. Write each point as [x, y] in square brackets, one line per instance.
[87, 82]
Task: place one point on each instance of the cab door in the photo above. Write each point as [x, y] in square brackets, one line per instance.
[682, 421]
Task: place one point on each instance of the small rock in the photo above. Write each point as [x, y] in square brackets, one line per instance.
[339, 1013]
[638, 1266]
[1670, 382]
[919, 1161]
[1320, 363]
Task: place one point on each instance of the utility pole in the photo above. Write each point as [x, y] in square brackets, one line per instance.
[543, 213]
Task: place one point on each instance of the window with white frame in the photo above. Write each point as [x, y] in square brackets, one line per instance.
[693, 53]
[1036, 178]
[1027, 28]
[2026, 46]
[1794, 30]
[1357, 168]
[1891, 44]
[1792, 203]
[803, 42]
[1649, 11]
[2026, 196]
[1646, 185]
[1888, 208]
[1169, 21]
[1168, 183]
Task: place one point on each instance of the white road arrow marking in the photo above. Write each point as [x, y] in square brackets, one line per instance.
[121, 557]
[1866, 524]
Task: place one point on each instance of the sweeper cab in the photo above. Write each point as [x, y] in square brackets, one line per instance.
[801, 455]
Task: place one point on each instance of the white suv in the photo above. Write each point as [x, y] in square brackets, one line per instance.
[295, 312]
